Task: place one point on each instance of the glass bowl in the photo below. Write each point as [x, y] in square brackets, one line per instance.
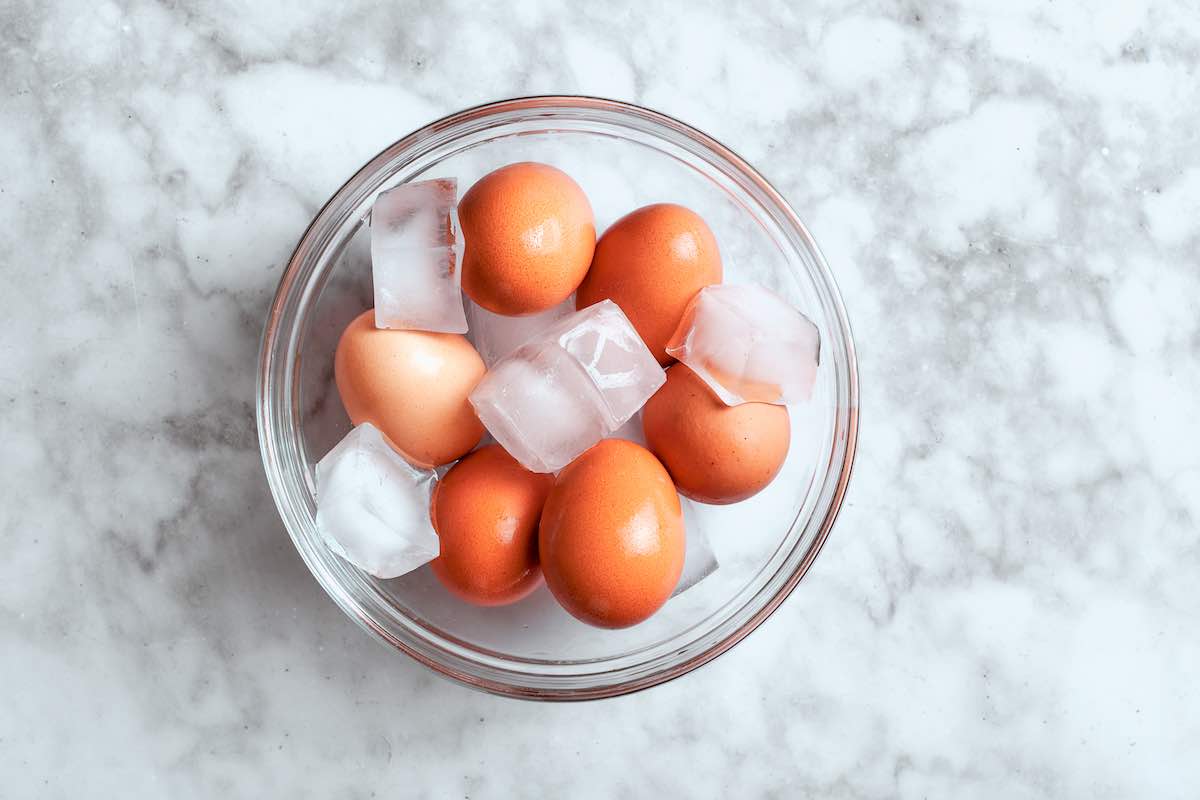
[624, 157]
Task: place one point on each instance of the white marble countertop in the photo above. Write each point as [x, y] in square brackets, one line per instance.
[1009, 605]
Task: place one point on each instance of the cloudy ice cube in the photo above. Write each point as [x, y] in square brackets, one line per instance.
[373, 506]
[631, 431]
[496, 335]
[540, 407]
[414, 261]
[416, 216]
[699, 561]
[602, 341]
[564, 390]
[748, 345]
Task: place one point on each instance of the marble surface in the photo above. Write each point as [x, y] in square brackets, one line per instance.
[1009, 194]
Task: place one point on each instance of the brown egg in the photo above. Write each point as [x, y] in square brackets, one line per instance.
[650, 263]
[486, 511]
[528, 234]
[716, 453]
[413, 386]
[612, 538]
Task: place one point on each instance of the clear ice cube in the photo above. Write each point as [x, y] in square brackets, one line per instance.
[699, 561]
[540, 407]
[748, 345]
[414, 261]
[496, 335]
[568, 387]
[603, 342]
[373, 506]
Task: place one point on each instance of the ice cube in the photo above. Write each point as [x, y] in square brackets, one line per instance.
[414, 261]
[748, 345]
[416, 216]
[631, 431]
[603, 342]
[496, 335]
[540, 407]
[373, 506]
[568, 387]
[699, 561]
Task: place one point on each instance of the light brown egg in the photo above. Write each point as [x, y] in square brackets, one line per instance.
[412, 386]
[528, 233]
[486, 512]
[714, 452]
[650, 263]
[612, 538]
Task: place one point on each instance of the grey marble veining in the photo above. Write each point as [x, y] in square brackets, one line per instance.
[1009, 194]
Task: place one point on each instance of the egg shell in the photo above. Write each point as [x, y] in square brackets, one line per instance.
[486, 511]
[651, 262]
[412, 386]
[715, 453]
[529, 234]
[612, 536]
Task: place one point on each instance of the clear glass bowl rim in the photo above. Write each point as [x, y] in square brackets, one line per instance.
[276, 375]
